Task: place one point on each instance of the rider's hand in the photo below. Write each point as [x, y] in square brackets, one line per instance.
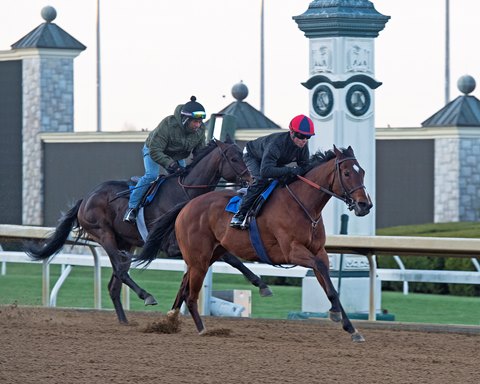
[296, 171]
[174, 167]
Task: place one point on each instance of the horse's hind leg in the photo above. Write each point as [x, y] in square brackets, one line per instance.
[249, 275]
[337, 312]
[181, 295]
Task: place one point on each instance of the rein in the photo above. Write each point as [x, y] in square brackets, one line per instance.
[313, 221]
[200, 186]
[345, 197]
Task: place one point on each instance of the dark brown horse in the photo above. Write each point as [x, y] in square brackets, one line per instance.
[99, 217]
[290, 227]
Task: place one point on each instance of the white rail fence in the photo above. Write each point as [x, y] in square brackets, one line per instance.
[363, 245]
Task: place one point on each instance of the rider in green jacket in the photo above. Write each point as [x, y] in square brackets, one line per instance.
[174, 139]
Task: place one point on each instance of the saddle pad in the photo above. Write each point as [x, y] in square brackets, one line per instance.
[234, 203]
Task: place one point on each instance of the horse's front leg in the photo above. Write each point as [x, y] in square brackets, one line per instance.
[121, 262]
[195, 283]
[336, 312]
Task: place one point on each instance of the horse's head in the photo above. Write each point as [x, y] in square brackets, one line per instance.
[232, 168]
[348, 182]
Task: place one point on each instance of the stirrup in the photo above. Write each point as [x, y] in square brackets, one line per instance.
[238, 222]
[130, 215]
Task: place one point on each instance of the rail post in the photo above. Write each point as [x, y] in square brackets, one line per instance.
[343, 231]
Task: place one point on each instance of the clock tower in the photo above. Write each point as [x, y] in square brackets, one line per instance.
[341, 86]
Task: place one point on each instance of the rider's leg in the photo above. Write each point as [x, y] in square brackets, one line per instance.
[253, 167]
[152, 170]
[253, 192]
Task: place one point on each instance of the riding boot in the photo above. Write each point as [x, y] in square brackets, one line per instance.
[130, 215]
[238, 220]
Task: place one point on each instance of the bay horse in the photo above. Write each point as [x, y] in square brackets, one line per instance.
[99, 217]
[290, 225]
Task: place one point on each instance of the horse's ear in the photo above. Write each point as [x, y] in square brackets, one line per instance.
[229, 140]
[335, 149]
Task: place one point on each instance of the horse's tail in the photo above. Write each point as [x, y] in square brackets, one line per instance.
[54, 243]
[161, 237]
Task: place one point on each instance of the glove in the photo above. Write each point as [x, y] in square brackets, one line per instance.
[174, 168]
[296, 171]
[288, 178]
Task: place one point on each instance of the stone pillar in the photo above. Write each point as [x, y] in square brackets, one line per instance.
[457, 150]
[341, 88]
[47, 107]
[47, 54]
[457, 179]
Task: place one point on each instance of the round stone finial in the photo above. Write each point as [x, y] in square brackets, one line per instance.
[49, 13]
[240, 91]
[466, 84]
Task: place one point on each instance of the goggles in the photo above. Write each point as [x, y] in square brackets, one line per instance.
[198, 115]
[301, 136]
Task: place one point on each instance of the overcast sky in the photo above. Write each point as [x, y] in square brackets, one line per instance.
[155, 54]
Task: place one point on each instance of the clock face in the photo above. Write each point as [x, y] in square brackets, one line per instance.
[358, 100]
[322, 100]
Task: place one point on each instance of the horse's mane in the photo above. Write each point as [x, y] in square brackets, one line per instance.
[320, 157]
[200, 154]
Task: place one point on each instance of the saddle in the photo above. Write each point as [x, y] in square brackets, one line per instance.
[234, 203]
[254, 234]
[151, 191]
[146, 200]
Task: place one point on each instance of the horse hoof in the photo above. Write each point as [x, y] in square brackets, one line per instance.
[357, 337]
[203, 332]
[172, 313]
[265, 292]
[150, 300]
[335, 316]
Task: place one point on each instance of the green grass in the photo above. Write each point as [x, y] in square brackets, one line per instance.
[23, 284]
[439, 309]
[467, 229]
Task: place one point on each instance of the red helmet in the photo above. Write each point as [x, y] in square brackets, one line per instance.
[302, 124]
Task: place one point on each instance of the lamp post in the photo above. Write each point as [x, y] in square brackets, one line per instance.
[447, 51]
[99, 90]
[262, 56]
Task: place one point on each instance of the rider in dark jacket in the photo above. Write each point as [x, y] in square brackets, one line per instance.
[266, 158]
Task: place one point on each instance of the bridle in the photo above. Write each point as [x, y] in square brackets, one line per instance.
[239, 175]
[346, 196]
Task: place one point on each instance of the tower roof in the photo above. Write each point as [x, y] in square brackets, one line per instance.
[48, 35]
[247, 117]
[464, 111]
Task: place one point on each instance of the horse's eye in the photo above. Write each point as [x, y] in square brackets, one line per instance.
[346, 173]
[234, 160]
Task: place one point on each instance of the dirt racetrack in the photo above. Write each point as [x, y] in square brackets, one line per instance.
[42, 346]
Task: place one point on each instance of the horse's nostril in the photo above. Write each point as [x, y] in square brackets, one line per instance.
[364, 205]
